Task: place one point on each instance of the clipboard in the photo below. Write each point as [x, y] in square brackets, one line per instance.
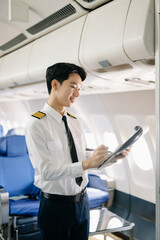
[132, 139]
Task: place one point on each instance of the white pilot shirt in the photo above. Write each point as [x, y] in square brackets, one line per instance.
[50, 156]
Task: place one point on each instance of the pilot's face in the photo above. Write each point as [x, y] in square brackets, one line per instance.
[69, 90]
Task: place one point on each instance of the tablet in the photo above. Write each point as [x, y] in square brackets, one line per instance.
[133, 138]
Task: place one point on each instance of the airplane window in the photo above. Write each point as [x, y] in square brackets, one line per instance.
[90, 140]
[9, 126]
[141, 155]
[110, 140]
[140, 152]
[15, 124]
[89, 136]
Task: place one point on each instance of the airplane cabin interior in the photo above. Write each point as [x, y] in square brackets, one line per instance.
[117, 43]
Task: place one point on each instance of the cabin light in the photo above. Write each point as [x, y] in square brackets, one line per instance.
[139, 81]
[93, 88]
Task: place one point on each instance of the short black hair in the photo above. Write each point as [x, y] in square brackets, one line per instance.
[61, 71]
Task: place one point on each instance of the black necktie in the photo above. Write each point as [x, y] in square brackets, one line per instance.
[72, 148]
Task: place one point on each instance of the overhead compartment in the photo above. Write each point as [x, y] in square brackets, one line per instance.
[139, 30]
[111, 42]
[117, 35]
[61, 45]
[13, 69]
[28, 64]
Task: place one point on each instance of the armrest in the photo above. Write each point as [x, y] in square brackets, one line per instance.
[4, 207]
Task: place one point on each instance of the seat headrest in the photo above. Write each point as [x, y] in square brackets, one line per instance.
[11, 132]
[14, 145]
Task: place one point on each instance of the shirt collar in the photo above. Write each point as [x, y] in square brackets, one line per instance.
[51, 111]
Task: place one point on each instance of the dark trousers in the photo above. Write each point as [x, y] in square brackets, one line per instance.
[64, 220]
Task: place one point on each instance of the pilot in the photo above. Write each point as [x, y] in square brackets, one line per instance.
[56, 146]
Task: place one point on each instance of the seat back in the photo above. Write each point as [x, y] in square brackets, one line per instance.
[98, 192]
[16, 171]
[17, 177]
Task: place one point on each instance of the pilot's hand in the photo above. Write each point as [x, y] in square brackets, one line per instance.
[122, 154]
[99, 155]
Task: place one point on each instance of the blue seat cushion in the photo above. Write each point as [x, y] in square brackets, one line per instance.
[96, 197]
[26, 224]
[25, 207]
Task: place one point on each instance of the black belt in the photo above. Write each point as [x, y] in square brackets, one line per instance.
[64, 198]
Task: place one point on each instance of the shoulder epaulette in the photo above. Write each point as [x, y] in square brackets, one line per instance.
[38, 115]
[71, 115]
